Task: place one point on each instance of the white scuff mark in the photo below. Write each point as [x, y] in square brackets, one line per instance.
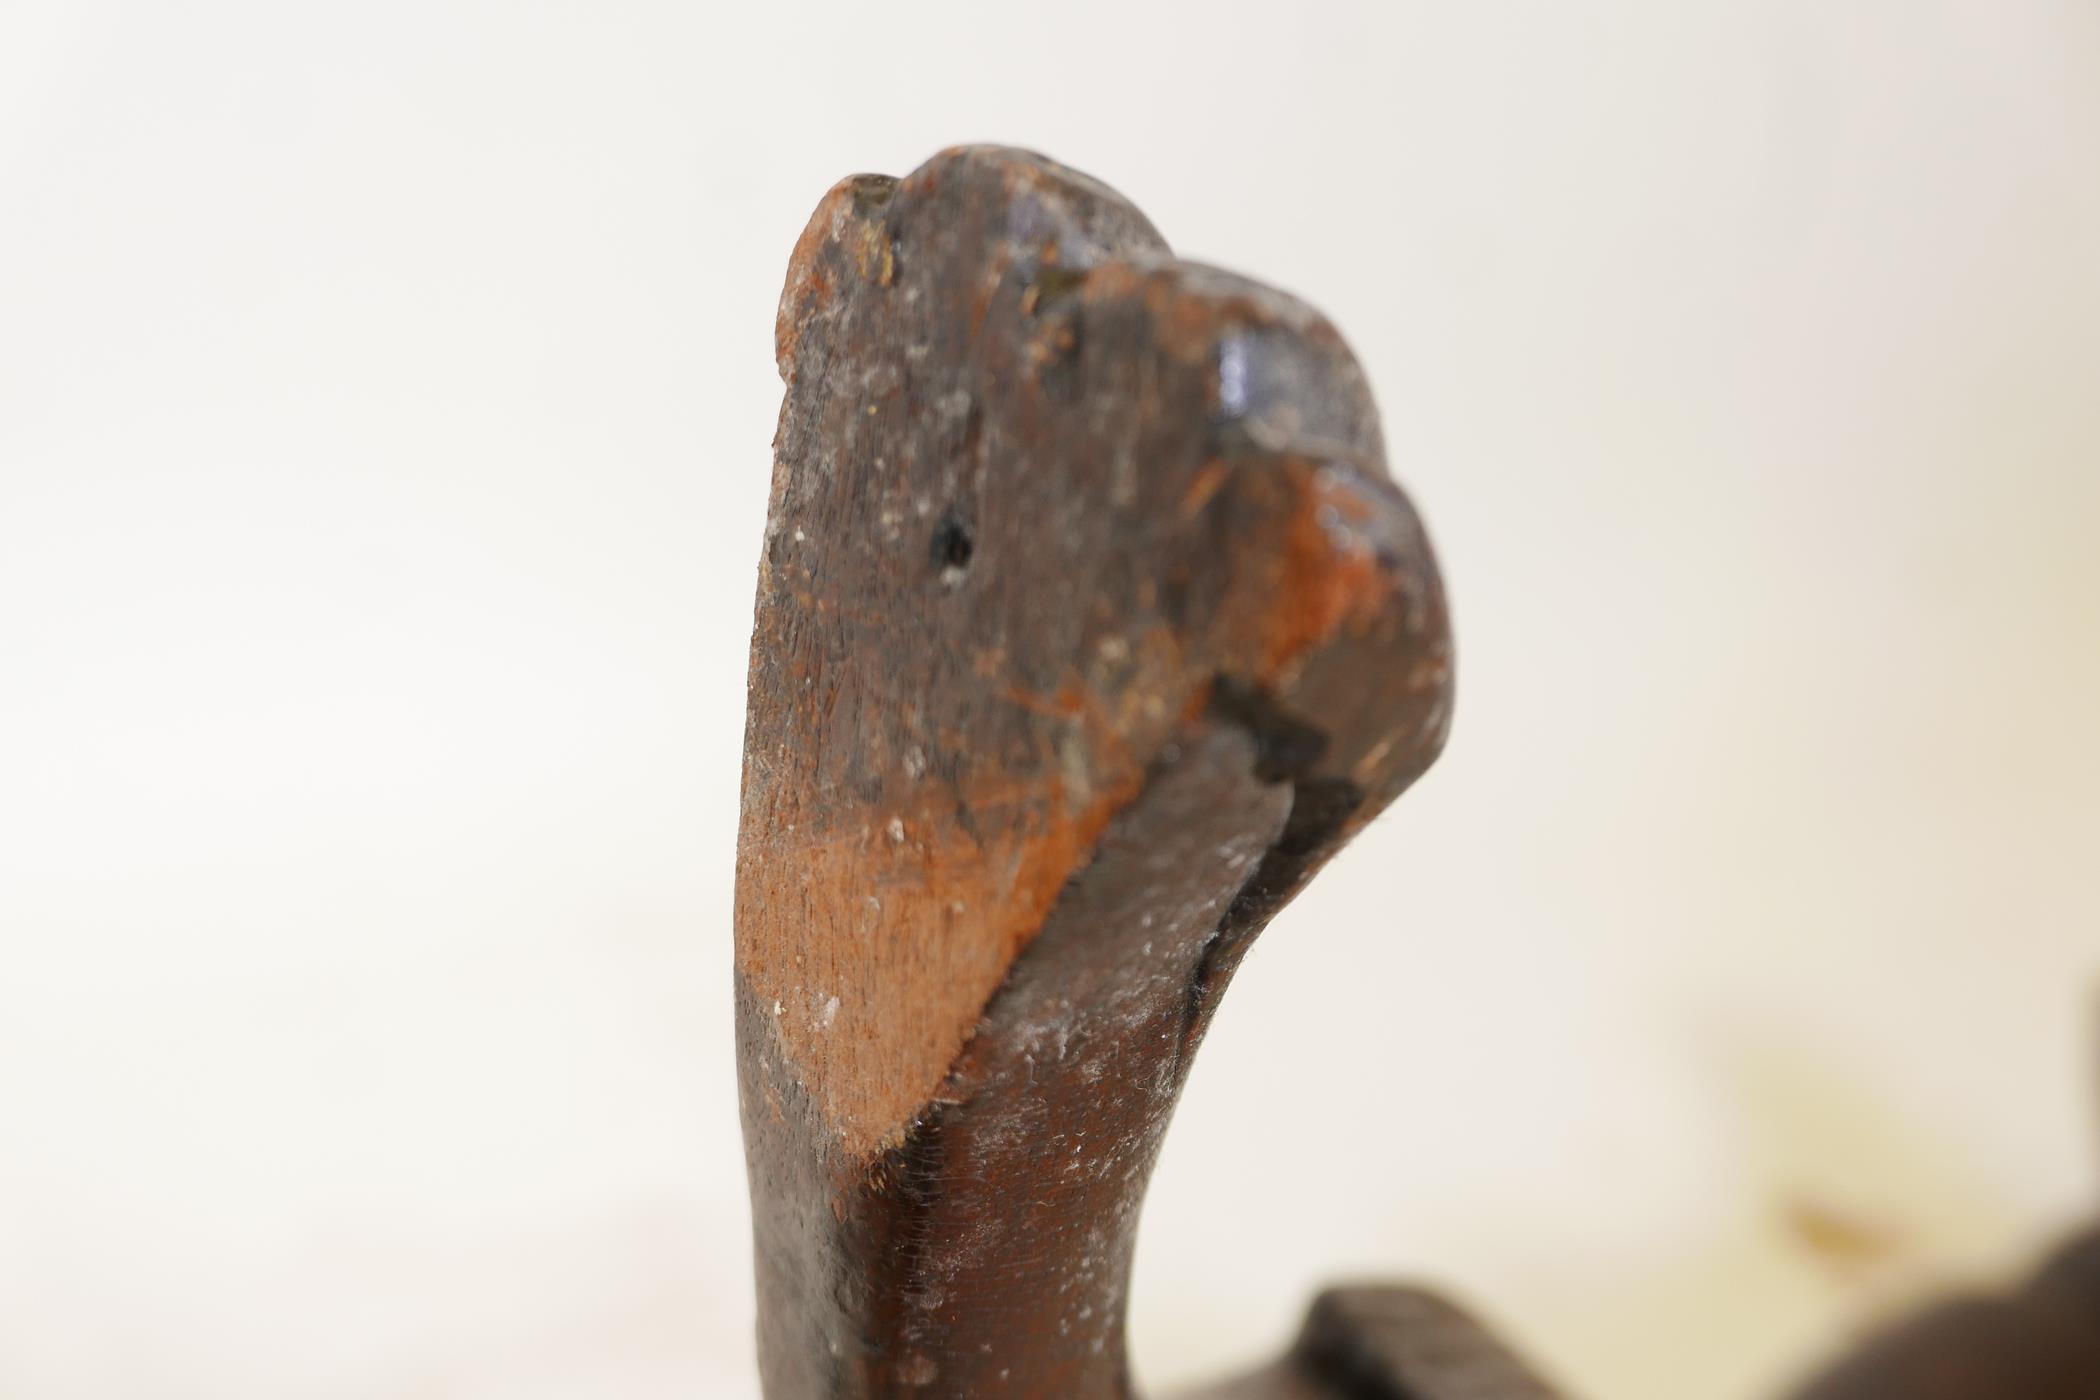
[831, 1012]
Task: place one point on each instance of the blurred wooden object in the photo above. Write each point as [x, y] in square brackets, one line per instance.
[2039, 1343]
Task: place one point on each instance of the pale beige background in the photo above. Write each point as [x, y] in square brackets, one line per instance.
[385, 392]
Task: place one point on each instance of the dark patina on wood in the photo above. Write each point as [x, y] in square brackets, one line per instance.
[1089, 626]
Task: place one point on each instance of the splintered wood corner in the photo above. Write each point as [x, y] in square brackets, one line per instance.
[1089, 626]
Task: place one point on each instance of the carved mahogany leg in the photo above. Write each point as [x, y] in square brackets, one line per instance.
[1089, 626]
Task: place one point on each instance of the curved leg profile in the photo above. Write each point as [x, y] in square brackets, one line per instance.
[1089, 626]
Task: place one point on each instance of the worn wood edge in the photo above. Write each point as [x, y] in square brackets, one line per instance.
[1325, 659]
[1325, 584]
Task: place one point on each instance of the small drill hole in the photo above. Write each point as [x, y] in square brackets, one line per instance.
[952, 548]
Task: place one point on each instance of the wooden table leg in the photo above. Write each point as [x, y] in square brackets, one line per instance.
[1089, 626]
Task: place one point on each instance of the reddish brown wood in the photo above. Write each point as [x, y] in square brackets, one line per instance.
[1089, 626]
